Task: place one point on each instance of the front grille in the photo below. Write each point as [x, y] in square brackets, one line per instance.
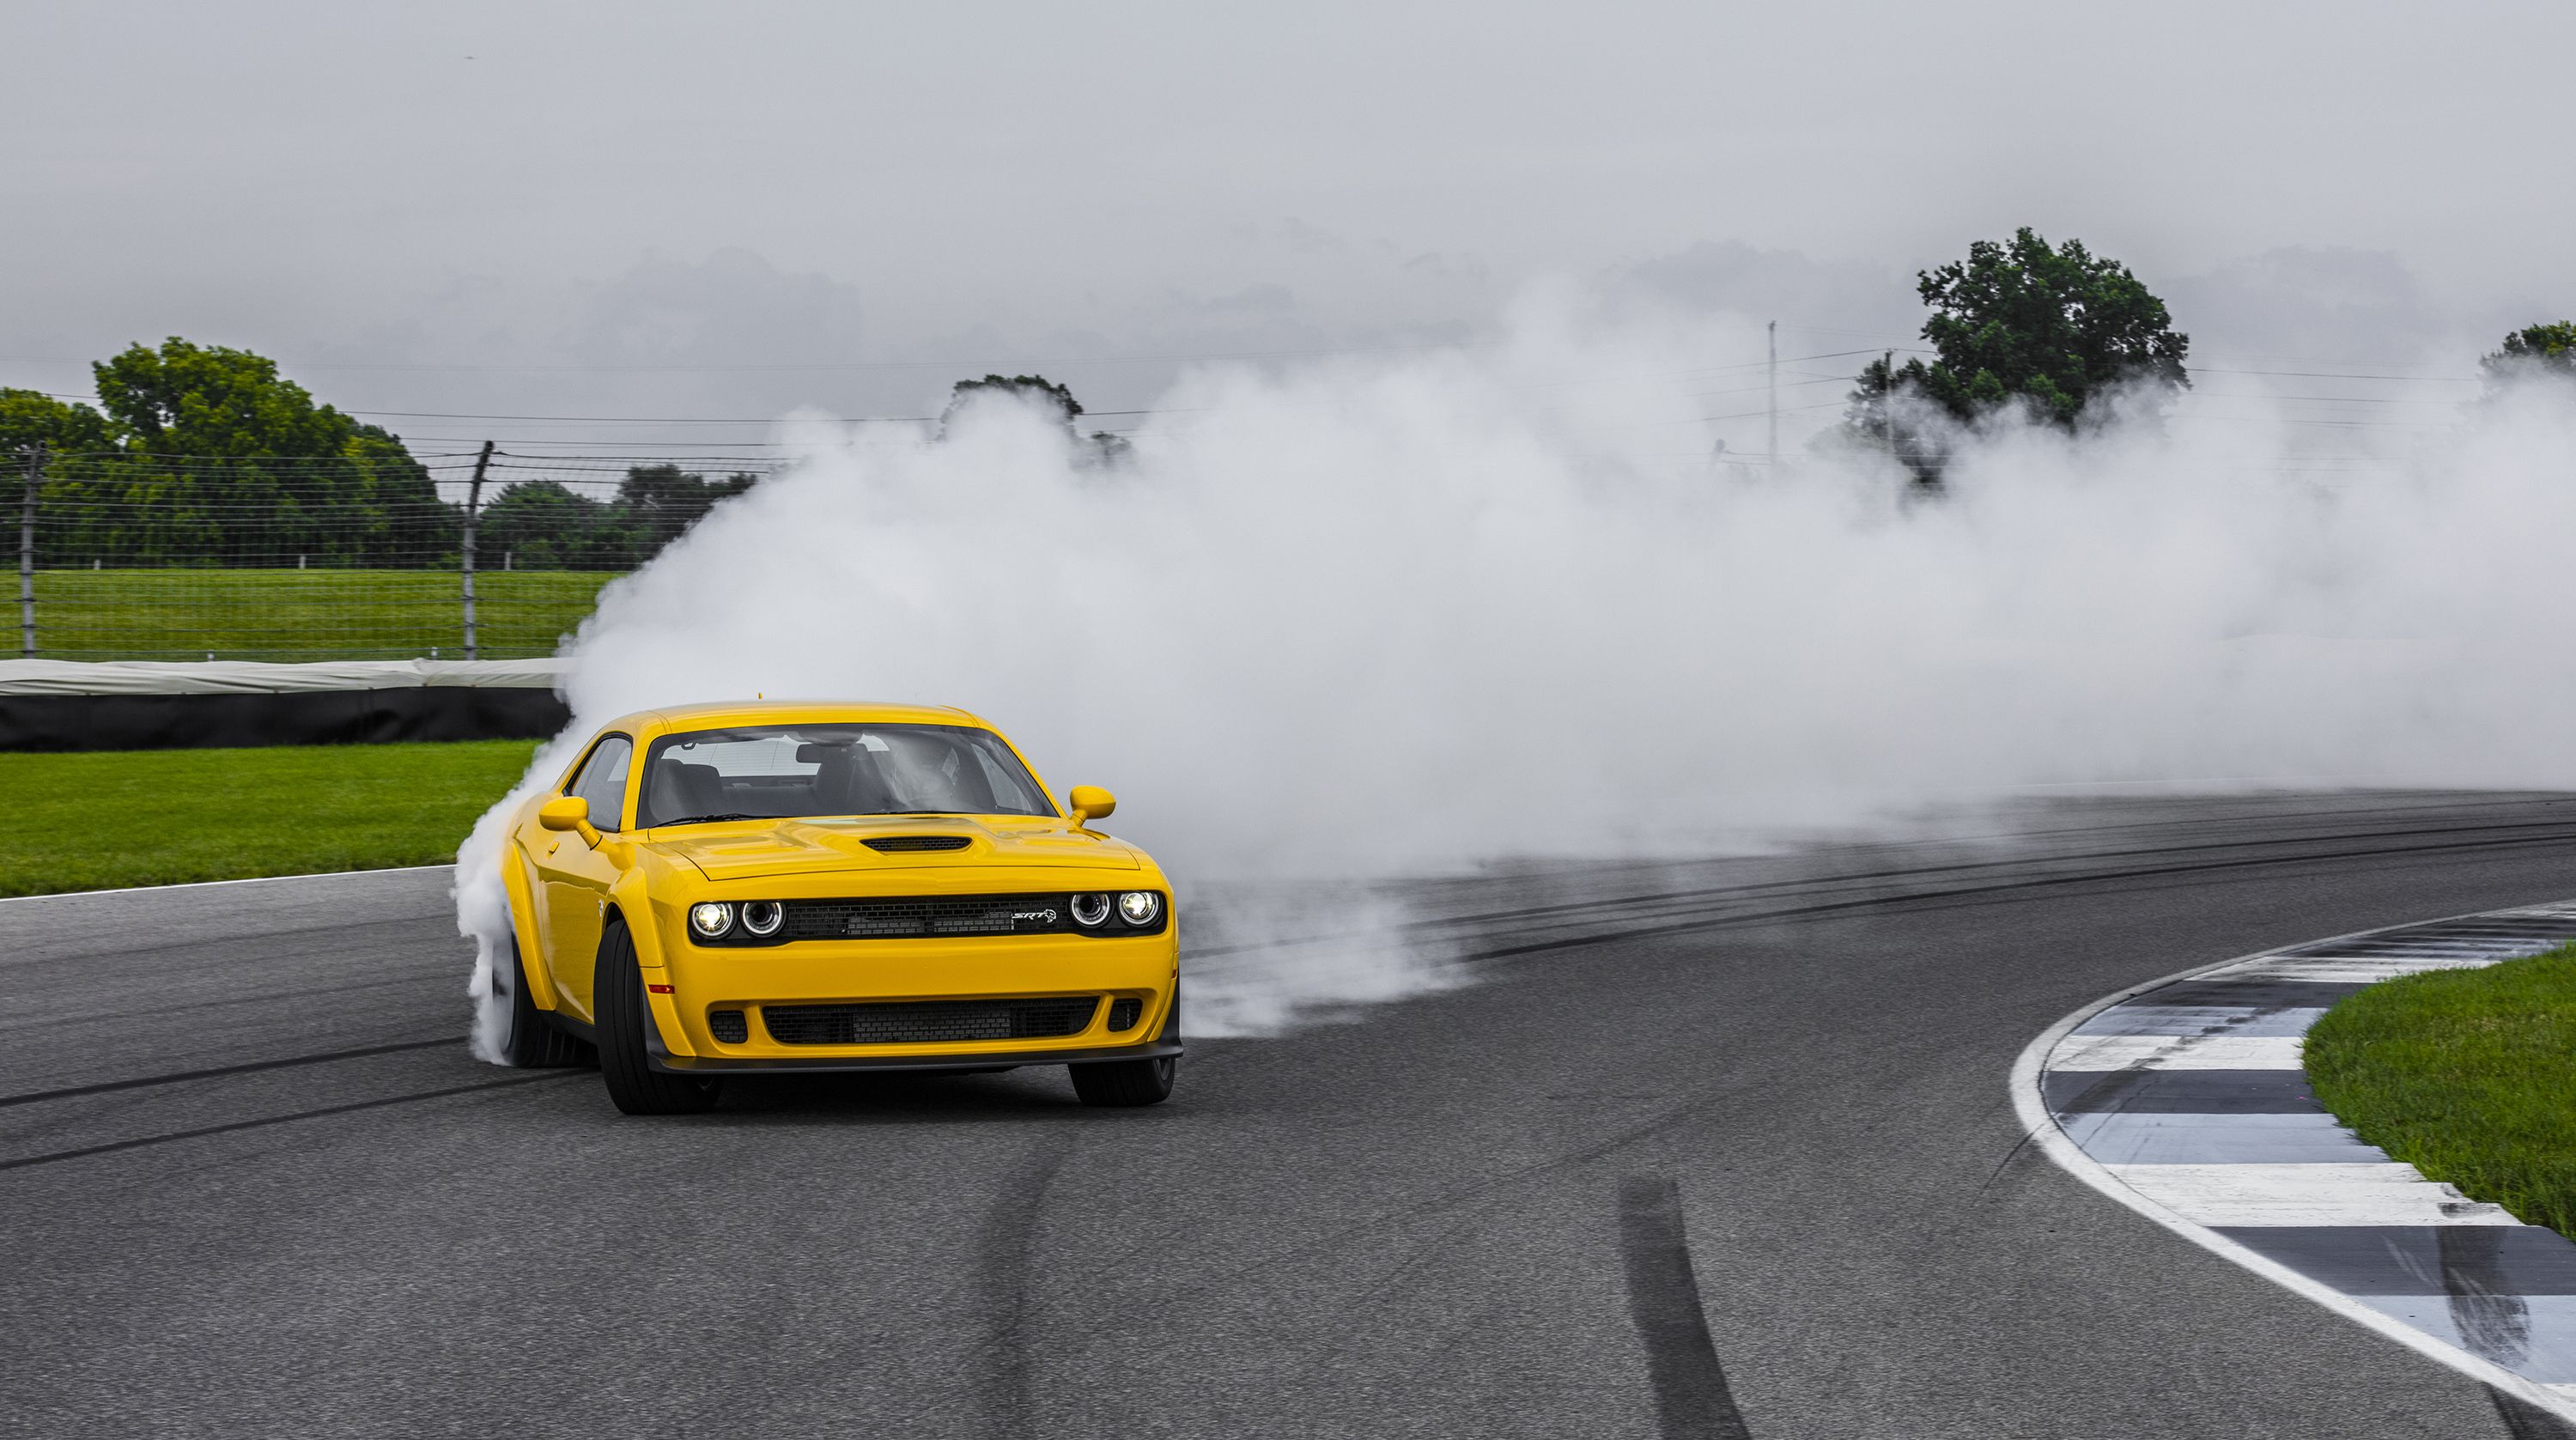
[894, 919]
[918, 917]
[728, 1026]
[922, 1022]
[890, 844]
[1124, 1013]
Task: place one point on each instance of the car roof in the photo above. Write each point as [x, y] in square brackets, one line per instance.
[793, 712]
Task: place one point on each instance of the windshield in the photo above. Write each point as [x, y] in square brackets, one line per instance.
[774, 772]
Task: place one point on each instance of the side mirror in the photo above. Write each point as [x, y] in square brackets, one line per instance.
[568, 812]
[1090, 803]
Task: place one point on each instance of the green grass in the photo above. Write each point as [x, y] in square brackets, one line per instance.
[183, 614]
[160, 817]
[2469, 1075]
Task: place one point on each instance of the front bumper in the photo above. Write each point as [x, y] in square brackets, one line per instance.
[669, 1064]
[1142, 970]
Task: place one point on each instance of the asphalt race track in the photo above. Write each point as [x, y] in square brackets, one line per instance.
[1708, 1150]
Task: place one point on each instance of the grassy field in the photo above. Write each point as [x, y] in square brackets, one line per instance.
[304, 614]
[2469, 1075]
[159, 817]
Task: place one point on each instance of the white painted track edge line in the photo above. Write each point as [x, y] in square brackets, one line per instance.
[241, 880]
[2041, 1126]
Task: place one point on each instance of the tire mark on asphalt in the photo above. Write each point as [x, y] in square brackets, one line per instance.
[2091, 877]
[245, 1068]
[1007, 1260]
[1614, 904]
[2526, 1421]
[57, 1156]
[1692, 1399]
[1684, 1112]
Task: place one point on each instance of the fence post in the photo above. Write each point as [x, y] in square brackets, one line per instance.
[35, 456]
[473, 503]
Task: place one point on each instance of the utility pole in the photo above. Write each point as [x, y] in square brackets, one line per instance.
[1771, 450]
[473, 503]
[35, 457]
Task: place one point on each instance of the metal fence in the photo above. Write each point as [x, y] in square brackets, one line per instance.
[477, 555]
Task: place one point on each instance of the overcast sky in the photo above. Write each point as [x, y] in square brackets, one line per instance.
[623, 209]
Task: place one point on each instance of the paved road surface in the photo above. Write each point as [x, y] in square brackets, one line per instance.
[1708, 1150]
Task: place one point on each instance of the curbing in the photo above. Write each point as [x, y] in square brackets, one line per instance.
[2263, 1142]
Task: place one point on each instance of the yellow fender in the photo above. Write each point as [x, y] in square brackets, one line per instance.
[514, 879]
[632, 900]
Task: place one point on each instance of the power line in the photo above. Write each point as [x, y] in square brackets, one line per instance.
[986, 362]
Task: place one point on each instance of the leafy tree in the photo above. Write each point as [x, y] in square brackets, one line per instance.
[2052, 329]
[206, 455]
[664, 500]
[1889, 415]
[29, 417]
[1036, 389]
[206, 452]
[2534, 353]
[1099, 448]
[545, 525]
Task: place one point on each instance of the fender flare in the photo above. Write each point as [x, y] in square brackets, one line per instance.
[628, 900]
[515, 882]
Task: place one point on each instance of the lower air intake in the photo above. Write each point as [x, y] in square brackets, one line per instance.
[926, 1022]
[728, 1026]
[1123, 1014]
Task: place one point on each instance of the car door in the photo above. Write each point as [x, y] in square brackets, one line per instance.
[573, 876]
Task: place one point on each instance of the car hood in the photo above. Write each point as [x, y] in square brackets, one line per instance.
[751, 850]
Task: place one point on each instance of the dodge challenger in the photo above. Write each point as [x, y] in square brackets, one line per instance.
[776, 888]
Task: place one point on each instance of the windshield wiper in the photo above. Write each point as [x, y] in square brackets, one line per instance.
[702, 819]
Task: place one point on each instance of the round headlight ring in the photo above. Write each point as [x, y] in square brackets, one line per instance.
[763, 917]
[1091, 910]
[1140, 908]
[711, 918]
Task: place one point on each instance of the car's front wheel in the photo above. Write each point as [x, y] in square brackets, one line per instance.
[1125, 1082]
[534, 1043]
[633, 1083]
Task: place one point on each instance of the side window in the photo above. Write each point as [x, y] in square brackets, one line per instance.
[602, 780]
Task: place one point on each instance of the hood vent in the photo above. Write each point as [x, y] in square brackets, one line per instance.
[890, 844]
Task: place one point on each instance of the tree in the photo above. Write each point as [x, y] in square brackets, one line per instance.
[2018, 322]
[1036, 389]
[546, 525]
[30, 417]
[205, 452]
[1099, 448]
[2541, 353]
[664, 500]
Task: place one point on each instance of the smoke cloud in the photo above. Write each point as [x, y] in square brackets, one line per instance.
[1377, 617]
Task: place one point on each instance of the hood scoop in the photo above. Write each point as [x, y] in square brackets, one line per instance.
[821, 844]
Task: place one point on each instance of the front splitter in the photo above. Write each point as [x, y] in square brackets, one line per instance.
[824, 1064]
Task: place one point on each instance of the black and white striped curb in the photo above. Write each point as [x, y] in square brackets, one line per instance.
[2184, 1100]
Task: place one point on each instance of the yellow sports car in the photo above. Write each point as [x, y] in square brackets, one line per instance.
[728, 889]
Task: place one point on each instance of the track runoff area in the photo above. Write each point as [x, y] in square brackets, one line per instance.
[1715, 1149]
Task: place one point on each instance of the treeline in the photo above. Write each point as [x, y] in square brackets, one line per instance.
[201, 455]
[204, 454]
[2060, 336]
[547, 525]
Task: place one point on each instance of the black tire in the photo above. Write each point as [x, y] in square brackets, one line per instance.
[534, 1043]
[1125, 1082]
[633, 1083]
